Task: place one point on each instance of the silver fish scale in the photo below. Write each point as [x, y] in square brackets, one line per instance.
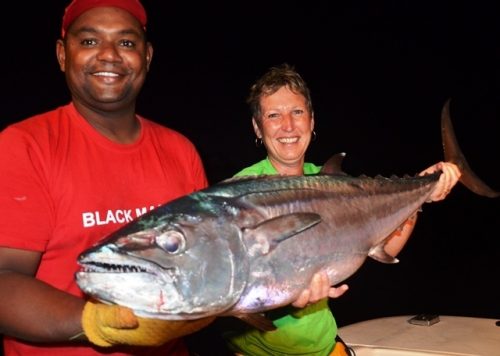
[275, 195]
[323, 182]
[244, 237]
[356, 215]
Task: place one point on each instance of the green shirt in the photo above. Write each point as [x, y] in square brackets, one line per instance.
[265, 167]
[305, 331]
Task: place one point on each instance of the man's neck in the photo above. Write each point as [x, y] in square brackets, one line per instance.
[121, 126]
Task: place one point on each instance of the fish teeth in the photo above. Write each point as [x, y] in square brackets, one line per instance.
[110, 267]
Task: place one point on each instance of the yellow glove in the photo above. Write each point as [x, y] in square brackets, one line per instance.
[108, 325]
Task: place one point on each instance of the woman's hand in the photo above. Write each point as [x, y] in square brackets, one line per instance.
[451, 175]
[319, 289]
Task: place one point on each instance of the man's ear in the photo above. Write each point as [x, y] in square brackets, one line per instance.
[149, 54]
[61, 54]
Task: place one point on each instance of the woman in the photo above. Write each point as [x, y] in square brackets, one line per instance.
[283, 121]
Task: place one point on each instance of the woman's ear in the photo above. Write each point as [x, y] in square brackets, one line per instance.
[256, 128]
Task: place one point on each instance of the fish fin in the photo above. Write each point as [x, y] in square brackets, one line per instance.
[283, 227]
[334, 165]
[453, 153]
[378, 253]
[258, 321]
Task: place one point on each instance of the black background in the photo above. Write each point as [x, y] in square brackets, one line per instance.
[379, 73]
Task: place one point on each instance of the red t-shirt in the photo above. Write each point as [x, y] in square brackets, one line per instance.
[64, 186]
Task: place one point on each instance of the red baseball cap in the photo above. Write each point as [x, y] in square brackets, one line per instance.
[78, 7]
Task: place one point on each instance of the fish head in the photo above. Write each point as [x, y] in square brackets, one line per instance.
[180, 267]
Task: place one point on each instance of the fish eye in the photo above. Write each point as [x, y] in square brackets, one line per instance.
[171, 241]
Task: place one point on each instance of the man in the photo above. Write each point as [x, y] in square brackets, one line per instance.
[71, 176]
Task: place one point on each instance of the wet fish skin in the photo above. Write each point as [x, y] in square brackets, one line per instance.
[240, 240]
[251, 244]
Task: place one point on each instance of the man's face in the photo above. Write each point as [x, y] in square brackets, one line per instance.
[105, 57]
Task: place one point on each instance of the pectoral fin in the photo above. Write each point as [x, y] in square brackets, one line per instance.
[264, 237]
[258, 321]
[378, 253]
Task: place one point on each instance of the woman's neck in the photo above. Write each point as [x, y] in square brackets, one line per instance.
[295, 169]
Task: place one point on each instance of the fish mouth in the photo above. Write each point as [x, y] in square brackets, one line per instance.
[108, 262]
[142, 286]
[110, 259]
[167, 275]
[104, 267]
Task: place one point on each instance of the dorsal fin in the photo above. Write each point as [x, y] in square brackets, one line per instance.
[334, 164]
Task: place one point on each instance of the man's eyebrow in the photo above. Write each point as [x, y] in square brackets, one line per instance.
[93, 30]
[85, 29]
[130, 31]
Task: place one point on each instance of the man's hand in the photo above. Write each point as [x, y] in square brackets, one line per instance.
[318, 289]
[108, 325]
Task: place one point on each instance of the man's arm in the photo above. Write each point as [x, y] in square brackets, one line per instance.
[30, 309]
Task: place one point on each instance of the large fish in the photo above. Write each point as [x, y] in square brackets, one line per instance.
[248, 245]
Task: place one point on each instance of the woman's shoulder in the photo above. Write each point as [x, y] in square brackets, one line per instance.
[258, 168]
[311, 168]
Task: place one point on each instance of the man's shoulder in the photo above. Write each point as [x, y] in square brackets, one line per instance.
[165, 134]
[41, 121]
[161, 129]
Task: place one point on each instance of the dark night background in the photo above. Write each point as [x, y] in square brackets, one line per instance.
[379, 73]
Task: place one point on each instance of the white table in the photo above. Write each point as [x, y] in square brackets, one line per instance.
[452, 335]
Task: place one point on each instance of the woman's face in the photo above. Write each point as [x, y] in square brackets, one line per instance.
[285, 128]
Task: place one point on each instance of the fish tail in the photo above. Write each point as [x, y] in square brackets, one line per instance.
[453, 153]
